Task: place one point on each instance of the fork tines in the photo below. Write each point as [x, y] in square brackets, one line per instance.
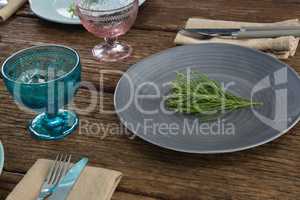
[59, 168]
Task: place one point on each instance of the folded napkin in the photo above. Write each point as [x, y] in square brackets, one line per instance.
[10, 9]
[93, 184]
[281, 47]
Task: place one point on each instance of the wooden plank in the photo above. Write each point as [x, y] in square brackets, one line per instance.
[129, 196]
[262, 173]
[171, 15]
[267, 172]
[20, 33]
[8, 180]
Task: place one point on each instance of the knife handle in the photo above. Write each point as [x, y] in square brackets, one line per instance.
[266, 34]
[269, 28]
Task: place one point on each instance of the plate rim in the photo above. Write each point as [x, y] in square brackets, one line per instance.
[2, 157]
[38, 14]
[69, 22]
[230, 150]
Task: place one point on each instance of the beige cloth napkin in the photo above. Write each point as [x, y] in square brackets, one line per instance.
[93, 184]
[282, 47]
[10, 9]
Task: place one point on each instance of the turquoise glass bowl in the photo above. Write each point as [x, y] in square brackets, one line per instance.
[45, 79]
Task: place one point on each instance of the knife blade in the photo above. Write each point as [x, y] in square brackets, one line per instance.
[242, 33]
[214, 31]
[65, 186]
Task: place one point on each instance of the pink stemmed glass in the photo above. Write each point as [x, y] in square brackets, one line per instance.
[108, 19]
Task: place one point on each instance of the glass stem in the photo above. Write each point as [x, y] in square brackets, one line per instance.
[52, 112]
[111, 41]
[52, 107]
[52, 119]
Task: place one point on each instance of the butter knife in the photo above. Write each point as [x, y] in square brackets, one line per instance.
[65, 186]
[239, 33]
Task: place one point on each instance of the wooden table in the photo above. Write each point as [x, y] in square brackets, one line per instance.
[271, 171]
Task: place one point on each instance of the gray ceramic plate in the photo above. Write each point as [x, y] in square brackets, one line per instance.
[246, 72]
[56, 10]
[1, 157]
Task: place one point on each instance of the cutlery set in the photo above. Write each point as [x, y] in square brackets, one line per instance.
[242, 33]
[61, 178]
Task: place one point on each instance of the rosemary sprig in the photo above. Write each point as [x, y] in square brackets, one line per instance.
[201, 96]
[72, 9]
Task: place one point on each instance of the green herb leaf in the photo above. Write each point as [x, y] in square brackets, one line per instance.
[201, 96]
[72, 9]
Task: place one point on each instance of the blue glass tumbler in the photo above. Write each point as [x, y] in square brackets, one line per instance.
[45, 79]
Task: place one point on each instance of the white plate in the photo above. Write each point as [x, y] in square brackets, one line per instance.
[56, 10]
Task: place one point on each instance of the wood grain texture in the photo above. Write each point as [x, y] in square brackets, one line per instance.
[271, 171]
[170, 15]
[264, 172]
[8, 180]
[27, 32]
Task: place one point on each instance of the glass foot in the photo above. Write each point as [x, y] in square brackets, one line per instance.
[111, 52]
[58, 127]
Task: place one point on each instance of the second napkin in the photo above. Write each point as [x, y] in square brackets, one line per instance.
[282, 47]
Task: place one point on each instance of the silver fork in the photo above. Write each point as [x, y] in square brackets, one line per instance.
[58, 170]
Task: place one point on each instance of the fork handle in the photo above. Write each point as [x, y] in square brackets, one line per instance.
[42, 196]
